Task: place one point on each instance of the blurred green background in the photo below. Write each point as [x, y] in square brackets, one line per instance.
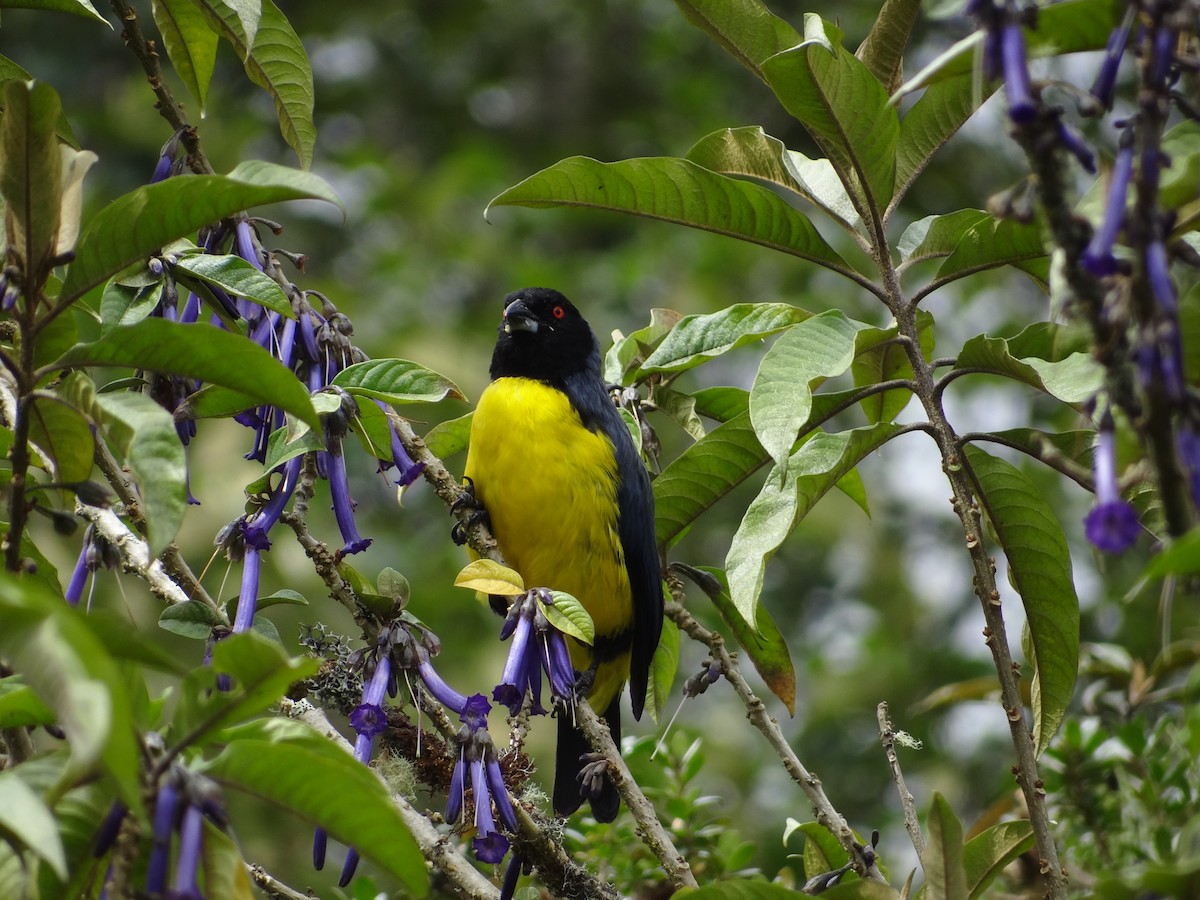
[427, 110]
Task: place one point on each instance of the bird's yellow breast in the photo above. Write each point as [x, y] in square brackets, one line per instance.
[550, 487]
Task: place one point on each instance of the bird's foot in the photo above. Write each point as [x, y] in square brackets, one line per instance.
[585, 681]
[467, 500]
[592, 774]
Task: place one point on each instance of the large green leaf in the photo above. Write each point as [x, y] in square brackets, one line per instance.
[191, 44]
[312, 778]
[82, 8]
[945, 876]
[55, 651]
[800, 359]
[275, 60]
[845, 109]
[879, 357]
[752, 153]
[763, 643]
[31, 173]
[930, 123]
[1039, 565]
[883, 50]
[202, 352]
[261, 673]
[396, 381]
[990, 244]
[678, 191]
[936, 236]
[62, 434]
[20, 706]
[137, 224]
[785, 499]
[144, 436]
[237, 277]
[445, 439]
[988, 853]
[25, 818]
[747, 30]
[1043, 356]
[698, 338]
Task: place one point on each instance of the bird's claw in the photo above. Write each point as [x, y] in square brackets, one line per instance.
[592, 774]
[478, 513]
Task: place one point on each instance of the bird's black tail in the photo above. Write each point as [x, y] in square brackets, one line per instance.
[568, 764]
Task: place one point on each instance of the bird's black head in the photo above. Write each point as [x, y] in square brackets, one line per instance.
[543, 336]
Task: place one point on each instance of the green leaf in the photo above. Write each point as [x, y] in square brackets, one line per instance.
[628, 352]
[280, 449]
[879, 357]
[139, 223]
[883, 50]
[722, 403]
[844, 108]
[803, 356]
[82, 8]
[568, 616]
[31, 173]
[678, 191]
[1039, 565]
[1179, 557]
[763, 643]
[930, 123]
[988, 853]
[937, 236]
[237, 277]
[945, 877]
[144, 436]
[785, 500]
[448, 438]
[192, 619]
[663, 667]
[126, 304]
[396, 381]
[261, 671]
[1076, 446]
[25, 818]
[275, 60]
[191, 45]
[1043, 356]
[324, 785]
[752, 153]
[712, 467]
[20, 706]
[202, 352]
[61, 659]
[214, 402]
[747, 30]
[990, 244]
[696, 339]
[62, 434]
[225, 875]
[822, 852]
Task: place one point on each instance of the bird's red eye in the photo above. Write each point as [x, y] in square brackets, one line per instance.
[558, 312]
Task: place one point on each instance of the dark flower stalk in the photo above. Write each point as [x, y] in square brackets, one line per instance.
[537, 646]
[1112, 525]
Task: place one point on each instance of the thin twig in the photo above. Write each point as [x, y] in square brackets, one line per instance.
[768, 726]
[887, 737]
[273, 887]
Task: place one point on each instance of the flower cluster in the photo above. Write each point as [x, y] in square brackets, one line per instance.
[536, 647]
[478, 764]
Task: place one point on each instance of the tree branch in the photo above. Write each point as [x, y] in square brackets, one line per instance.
[887, 737]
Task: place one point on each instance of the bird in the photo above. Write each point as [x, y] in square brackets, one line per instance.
[553, 467]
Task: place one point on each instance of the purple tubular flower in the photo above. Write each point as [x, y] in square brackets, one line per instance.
[442, 692]
[454, 801]
[490, 845]
[1104, 87]
[348, 867]
[537, 646]
[74, 592]
[187, 865]
[1021, 107]
[106, 835]
[1112, 525]
[243, 240]
[1073, 141]
[476, 758]
[262, 522]
[165, 806]
[512, 872]
[1159, 276]
[248, 596]
[343, 506]
[495, 780]
[320, 843]
[1164, 54]
[408, 470]
[1097, 257]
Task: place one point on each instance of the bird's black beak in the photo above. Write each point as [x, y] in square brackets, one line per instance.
[519, 317]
